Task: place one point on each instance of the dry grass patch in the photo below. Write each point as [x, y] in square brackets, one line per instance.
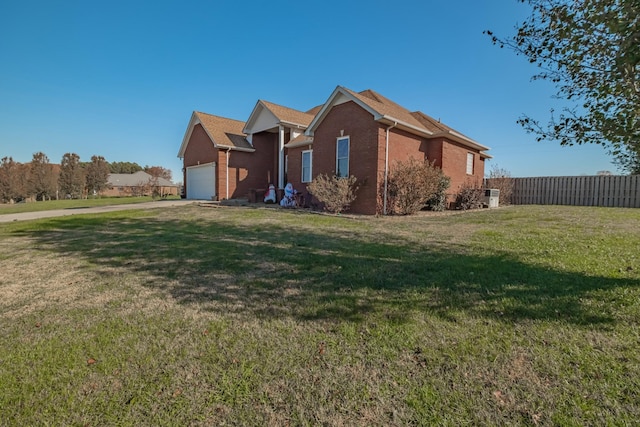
[194, 316]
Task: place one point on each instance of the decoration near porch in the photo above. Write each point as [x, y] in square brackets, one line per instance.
[289, 199]
[270, 197]
[275, 145]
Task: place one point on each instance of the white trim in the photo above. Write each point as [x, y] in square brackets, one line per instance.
[470, 162]
[227, 147]
[193, 122]
[348, 139]
[402, 125]
[307, 141]
[464, 140]
[227, 172]
[281, 131]
[255, 116]
[386, 170]
[333, 98]
[310, 166]
[341, 95]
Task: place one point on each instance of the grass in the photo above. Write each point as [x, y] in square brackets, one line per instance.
[208, 316]
[6, 209]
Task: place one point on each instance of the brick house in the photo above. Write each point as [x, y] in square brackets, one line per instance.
[138, 184]
[352, 133]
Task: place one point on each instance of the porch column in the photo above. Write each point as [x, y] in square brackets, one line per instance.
[281, 157]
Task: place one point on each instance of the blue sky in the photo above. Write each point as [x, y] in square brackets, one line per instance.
[121, 78]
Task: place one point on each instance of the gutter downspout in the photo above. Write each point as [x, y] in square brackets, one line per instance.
[281, 157]
[227, 169]
[386, 168]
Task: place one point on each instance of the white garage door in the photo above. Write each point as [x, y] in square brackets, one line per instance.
[201, 182]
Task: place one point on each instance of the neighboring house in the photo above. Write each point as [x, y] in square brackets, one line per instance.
[138, 184]
[352, 133]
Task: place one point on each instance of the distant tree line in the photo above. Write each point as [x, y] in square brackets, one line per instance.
[72, 178]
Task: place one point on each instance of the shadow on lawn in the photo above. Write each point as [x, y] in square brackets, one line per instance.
[279, 272]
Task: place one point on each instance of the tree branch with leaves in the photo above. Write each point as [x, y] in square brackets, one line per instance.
[590, 49]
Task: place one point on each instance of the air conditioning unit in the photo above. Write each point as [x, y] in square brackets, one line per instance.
[491, 197]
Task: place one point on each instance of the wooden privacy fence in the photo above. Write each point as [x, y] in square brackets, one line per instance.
[605, 190]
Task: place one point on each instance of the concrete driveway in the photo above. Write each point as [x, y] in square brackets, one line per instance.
[98, 209]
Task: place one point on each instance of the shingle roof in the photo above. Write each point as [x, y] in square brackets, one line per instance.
[430, 123]
[440, 129]
[315, 110]
[226, 133]
[288, 115]
[386, 107]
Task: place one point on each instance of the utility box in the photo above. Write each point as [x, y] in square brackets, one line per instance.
[491, 197]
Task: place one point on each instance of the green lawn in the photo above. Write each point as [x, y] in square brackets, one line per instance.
[523, 315]
[6, 209]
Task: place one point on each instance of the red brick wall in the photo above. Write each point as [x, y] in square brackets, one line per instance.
[250, 170]
[403, 146]
[454, 165]
[266, 160]
[434, 151]
[246, 170]
[364, 151]
[294, 167]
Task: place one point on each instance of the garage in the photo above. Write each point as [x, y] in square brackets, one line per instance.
[201, 182]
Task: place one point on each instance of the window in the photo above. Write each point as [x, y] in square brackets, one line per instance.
[342, 157]
[307, 157]
[469, 163]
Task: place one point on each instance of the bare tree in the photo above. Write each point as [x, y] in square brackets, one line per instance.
[158, 171]
[500, 179]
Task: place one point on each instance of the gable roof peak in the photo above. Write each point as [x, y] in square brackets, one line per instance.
[223, 132]
[278, 115]
[372, 94]
[287, 114]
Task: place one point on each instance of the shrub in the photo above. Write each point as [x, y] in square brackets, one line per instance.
[335, 193]
[470, 197]
[501, 179]
[411, 184]
[438, 202]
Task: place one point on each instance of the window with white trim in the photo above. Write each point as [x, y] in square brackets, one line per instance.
[342, 157]
[307, 158]
[469, 163]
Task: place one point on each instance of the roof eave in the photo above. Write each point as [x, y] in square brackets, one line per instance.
[299, 143]
[247, 126]
[193, 121]
[229, 147]
[403, 125]
[298, 125]
[319, 117]
[461, 139]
